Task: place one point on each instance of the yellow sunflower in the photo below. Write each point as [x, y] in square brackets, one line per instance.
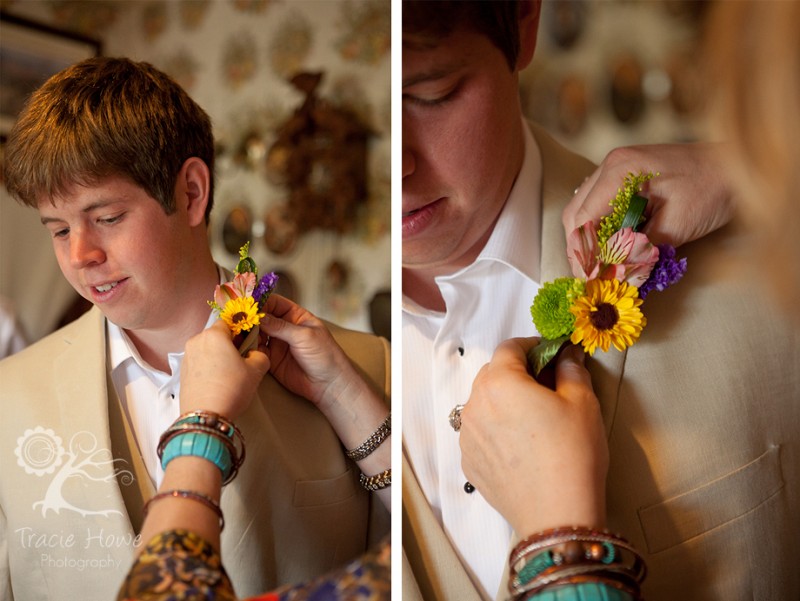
[608, 313]
[241, 314]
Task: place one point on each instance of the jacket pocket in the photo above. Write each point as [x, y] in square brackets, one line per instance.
[690, 514]
[311, 493]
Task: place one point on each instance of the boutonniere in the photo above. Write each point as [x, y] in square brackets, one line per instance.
[614, 268]
[239, 302]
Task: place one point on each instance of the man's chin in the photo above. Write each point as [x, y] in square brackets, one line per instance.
[124, 322]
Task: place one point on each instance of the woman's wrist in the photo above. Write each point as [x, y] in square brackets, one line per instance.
[196, 476]
[579, 506]
[575, 556]
[345, 389]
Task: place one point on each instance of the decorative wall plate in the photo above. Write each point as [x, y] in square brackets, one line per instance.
[287, 286]
[237, 228]
[565, 21]
[573, 104]
[280, 231]
[627, 97]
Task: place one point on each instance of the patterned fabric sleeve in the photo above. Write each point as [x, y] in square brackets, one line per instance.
[178, 565]
[367, 578]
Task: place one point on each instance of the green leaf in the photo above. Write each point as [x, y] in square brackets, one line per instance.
[250, 342]
[634, 213]
[544, 352]
[247, 265]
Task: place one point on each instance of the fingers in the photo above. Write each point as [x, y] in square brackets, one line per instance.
[285, 331]
[213, 336]
[592, 200]
[573, 380]
[288, 321]
[574, 212]
[221, 327]
[514, 350]
[282, 307]
[257, 362]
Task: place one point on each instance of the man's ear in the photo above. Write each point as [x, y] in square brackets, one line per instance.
[529, 12]
[193, 188]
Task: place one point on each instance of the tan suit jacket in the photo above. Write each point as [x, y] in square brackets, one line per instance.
[703, 424]
[72, 482]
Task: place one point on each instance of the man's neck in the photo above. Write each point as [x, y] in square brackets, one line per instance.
[421, 287]
[155, 345]
[419, 283]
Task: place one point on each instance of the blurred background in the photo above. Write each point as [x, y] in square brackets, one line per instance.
[610, 73]
[317, 209]
[299, 95]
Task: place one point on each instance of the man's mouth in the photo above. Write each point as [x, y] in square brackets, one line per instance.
[106, 287]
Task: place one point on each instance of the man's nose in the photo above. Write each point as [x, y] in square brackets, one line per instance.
[84, 250]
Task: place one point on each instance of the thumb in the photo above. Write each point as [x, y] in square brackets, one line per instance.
[572, 378]
[257, 362]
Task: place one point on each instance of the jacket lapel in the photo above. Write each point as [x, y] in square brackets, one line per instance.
[435, 566]
[562, 172]
[83, 382]
[434, 570]
[124, 447]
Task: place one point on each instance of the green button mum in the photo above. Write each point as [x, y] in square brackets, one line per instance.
[550, 309]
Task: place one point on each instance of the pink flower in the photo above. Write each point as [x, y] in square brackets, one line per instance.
[582, 251]
[242, 285]
[628, 256]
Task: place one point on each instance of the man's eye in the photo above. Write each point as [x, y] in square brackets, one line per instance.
[426, 101]
[111, 220]
[61, 233]
[432, 100]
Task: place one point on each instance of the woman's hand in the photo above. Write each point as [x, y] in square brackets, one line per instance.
[537, 456]
[214, 377]
[690, 199]
[304, 357]
[307, 360]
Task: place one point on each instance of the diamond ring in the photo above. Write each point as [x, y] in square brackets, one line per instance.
[455, 417]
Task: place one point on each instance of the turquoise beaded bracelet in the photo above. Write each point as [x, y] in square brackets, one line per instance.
[207, 435]
[198, 444]
[202, 420]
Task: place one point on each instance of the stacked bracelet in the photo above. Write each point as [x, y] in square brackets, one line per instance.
[191, 495]
[207, 435]
[373, 442]
[378, 481]
[574, 555]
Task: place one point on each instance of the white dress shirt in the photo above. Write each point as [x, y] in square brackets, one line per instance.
[12, 340]
[150, 397]
[486, 303]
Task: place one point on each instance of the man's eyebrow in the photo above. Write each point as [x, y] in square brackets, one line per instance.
[439, 69]
[87, 209]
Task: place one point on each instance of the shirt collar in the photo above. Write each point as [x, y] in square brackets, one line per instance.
[122, 349]
[520, 219]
